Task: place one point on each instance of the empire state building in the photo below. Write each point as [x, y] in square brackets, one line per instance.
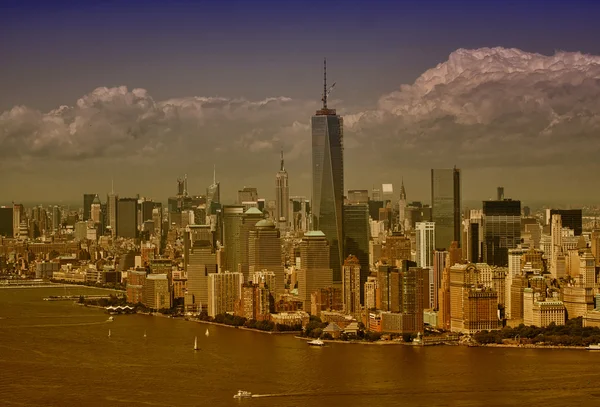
[328, 179]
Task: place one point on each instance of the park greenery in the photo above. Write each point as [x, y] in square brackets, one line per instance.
[573, 333]
[238, 321]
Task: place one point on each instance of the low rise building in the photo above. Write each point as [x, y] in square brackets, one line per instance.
[292, 318]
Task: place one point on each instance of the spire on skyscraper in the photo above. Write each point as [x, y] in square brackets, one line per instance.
[214, 174]
[326, 91]
[402, 190]
[282, 168]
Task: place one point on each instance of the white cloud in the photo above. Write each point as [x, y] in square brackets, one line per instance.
[480, 108]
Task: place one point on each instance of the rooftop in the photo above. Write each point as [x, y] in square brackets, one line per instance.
[314, 233]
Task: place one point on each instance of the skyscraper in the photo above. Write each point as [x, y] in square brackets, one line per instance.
[111, 208]
[426, 237]
[351, 287]
[356, 239]
[200, 260]
[264, 253]
[402, 209]
[571, 218]
[232, 222]
[445, 206]
[88, 199]
[501, 230]
[282, 197]
[249, 220]
[314, 272]
[6, 221]
[127, 217]
[328, 179]
[213, 196]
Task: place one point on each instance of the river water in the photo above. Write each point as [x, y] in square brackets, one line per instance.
[60, 354]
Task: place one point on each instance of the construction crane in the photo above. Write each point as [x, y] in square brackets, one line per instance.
[326, 90]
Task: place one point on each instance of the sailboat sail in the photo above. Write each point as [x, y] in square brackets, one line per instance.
[206, 332]
[196, 343]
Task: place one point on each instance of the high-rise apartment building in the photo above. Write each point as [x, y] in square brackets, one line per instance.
[425, 243]
[351, 286]
[446, 206]
[315, 272]
[224, 290]
[282, 198]
[356, 243]
[414, 284]
[264, 253]
[328, 180]
[87, 206]
[156, 292]
[127, 218]
[501, 230]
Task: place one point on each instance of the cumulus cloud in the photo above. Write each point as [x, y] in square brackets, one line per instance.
[493, 106]
[480, 108]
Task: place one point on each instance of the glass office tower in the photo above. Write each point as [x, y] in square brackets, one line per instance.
[501, 230]
[328, 181]
[445, 206]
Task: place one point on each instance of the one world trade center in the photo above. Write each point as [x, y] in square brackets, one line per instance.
[328, 179]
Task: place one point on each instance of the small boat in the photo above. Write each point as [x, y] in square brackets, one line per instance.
[144, 334]
[594, 347]
[196, 344]
[110, 319]
[109, 333]
[241, 394]
[206, 332]
[316, 342]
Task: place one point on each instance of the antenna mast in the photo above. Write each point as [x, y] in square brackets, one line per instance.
[324, 83]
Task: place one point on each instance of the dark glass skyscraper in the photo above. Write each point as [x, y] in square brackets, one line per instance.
[571, 218]
[328, 180]
[356, 234]
[445, 206]
[87, 206]
[501, 230]
[127, 217]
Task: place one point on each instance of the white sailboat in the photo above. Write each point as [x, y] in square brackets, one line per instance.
[206, 332]
[196, 343]
[109, 333]
[144, 334]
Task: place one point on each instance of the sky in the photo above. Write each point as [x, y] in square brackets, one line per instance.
[147, 91]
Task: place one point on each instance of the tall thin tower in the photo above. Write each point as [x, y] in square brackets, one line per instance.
[328, 178]
[282, 197]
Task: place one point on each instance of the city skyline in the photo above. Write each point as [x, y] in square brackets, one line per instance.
[497, 113]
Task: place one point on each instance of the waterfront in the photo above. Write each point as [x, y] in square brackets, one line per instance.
[59, 353]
